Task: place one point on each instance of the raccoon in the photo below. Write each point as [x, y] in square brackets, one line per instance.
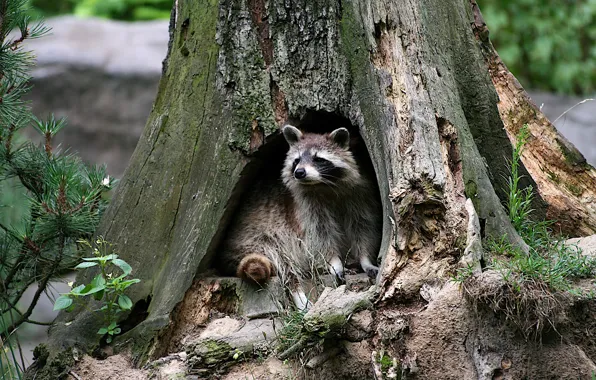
[323, 211]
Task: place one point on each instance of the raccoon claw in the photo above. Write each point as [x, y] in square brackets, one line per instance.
[341, 277]
[372, 271]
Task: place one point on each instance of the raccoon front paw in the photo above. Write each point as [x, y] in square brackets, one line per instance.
[300, 299]
[372, 271]
[336, 268]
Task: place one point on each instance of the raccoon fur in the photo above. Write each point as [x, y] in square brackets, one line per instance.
[322, 212]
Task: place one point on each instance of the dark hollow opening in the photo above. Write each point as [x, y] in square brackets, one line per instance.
[267, 163]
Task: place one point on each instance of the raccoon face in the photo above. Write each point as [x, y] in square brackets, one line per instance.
[315, 159]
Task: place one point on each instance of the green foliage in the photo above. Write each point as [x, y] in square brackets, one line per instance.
[10, 368]
[114, 9]
[548, 45]
[290, 333]
[463, 274]
[555, 265]
[56, 198]
[105, 286]
[519, 200]
[549, 261]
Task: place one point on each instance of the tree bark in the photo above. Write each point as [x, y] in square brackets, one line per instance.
[564, 179]
[434, 106]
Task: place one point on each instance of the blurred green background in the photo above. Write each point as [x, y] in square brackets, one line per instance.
[130, 10]
[547, 44]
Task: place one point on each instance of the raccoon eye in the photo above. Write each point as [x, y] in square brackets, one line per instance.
[318, 159]
[296, 161]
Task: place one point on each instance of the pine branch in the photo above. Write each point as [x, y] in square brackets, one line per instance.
[38, 323]
[18, 296]
[3, 8]
[11, 305]
[40, 289]
[28, 245]
[15, 44]
[11, 233]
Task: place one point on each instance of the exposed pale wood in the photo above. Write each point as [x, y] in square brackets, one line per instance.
[563, 177]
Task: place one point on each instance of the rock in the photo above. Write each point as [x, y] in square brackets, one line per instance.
[586, 244]
[169, 367]
[331, 311]
[259, 303]
[226, 341]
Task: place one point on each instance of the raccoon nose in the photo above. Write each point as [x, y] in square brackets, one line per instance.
[300, 173]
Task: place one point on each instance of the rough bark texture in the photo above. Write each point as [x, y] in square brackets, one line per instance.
[564, 179]
[411, 77]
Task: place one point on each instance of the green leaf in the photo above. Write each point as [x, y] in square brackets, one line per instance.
[112, 326]
[97, 285]
[117, 330]
[124, 302]
[99, 295]
[98, 281]
[122, 265]
[86, 264]
[86, 290]
[127, 283]
[92, 258]
[102, 331]
[62, 302]
[77, 291]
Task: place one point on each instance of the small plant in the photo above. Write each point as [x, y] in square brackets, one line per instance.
[533, 285]
[549, 260]
[463, 274]
[105, 286]
[519, 200]
[291, 330]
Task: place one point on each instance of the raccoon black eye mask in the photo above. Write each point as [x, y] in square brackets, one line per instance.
[350, 220]
[322, 211]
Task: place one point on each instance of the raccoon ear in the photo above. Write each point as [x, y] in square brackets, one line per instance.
[292, 134]
[341, 137]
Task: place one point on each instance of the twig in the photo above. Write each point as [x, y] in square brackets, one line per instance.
[8, 231]
[11, 305]
[3, 7]
[38, 323]
[293, 349]
[24, 288]
[563, 114]
[73, 374]
[15, 44]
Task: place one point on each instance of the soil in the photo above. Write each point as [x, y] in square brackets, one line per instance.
[117, 367]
